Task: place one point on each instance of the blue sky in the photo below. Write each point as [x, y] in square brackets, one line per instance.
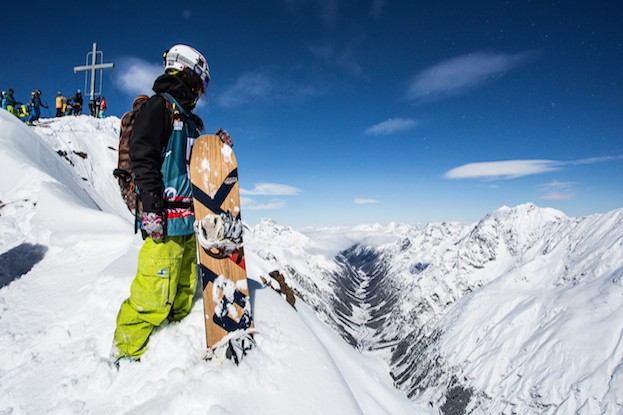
[349, 112]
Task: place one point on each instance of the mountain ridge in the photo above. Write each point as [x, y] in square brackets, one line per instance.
[520, 312]
[420, 284]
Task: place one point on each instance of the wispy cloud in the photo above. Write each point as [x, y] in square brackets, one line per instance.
[462, 73]
[136, 76]
[261, 87]
[503, 169]
[267, 189]
[271, 189]
[557, 191]
[511, 169]
[363, 201]
[342, 59]
[392, 126]
[252, 204]
[593, 160]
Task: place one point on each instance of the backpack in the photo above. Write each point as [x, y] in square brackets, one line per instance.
[123, 172]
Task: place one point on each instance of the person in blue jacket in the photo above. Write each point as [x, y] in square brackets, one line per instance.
[35, 104]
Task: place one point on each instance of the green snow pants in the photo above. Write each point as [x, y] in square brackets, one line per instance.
[164, 287]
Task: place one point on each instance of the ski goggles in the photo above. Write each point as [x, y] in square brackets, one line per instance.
[204, 75]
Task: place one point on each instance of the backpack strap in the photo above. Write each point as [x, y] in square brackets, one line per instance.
[177, 112]
[175, 109]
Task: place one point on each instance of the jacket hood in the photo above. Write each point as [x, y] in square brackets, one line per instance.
[178, 89]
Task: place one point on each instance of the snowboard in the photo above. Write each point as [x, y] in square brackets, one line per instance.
[226, 300]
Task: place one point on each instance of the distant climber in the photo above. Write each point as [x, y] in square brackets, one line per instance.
[61, 103]
[36, 104]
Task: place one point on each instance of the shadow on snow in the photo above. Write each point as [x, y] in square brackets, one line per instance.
[18, 261]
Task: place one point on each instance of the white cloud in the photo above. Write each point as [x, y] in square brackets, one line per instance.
[557, 196]
[267, 189]
[557, 191]
[248, 88]
[461, 73]
[502, 169]
[512, 169]
[342, 59]
[252, 204]
[556, 185]
[136, 76]
[271, 189]
[593, 160]
[392, 126]
[260, 87]
[366, 201]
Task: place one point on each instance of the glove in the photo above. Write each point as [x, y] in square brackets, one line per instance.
[225, 137]
[153, 223]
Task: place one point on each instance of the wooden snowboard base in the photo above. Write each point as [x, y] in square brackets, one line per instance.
[214, 177]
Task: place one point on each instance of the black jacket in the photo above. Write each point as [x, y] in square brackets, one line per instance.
[150, 135]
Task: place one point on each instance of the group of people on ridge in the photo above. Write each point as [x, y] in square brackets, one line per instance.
[73, 105]
[64, 106]
[30, 112]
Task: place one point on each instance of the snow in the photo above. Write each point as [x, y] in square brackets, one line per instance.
[568, 329]
[521, 312]
[227, 153]
[57, 320]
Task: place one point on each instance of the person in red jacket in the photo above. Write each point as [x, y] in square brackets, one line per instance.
[103, 108]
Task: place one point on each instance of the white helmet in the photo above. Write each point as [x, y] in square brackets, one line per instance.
[180, 57]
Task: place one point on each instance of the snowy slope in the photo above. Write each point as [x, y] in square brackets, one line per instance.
[65, 227]
[520, 313]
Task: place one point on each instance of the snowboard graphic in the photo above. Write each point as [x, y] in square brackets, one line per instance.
[227, 305]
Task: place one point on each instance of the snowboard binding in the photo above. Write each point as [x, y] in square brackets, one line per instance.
[219, 235]
[234, 347]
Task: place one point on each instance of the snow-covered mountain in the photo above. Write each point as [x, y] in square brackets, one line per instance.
[521, 312]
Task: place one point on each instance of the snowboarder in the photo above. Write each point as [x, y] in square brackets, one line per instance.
[36, 104]
[166, 278]
[61, 102]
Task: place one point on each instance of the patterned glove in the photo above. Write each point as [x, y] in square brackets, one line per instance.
[153, 225]
[225, 137]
